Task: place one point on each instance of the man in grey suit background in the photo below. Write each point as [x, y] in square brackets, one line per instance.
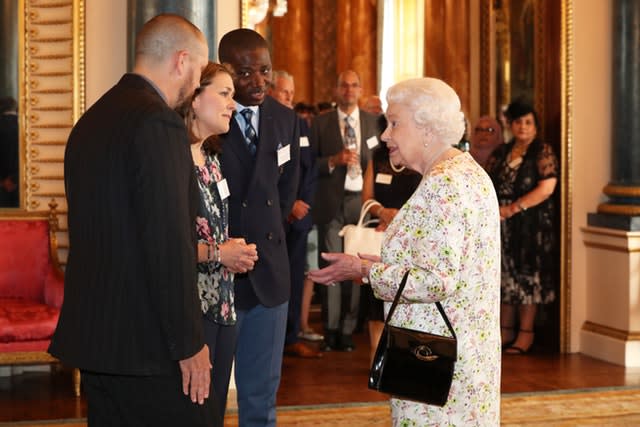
[343, 140]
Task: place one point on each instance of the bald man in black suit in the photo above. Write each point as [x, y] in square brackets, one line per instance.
[131, 317]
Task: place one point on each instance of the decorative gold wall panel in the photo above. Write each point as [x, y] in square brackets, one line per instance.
[51, 99]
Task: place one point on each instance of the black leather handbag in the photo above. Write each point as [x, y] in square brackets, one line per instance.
[414, 365]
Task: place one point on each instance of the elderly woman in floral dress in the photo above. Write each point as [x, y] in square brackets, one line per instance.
[447, 236]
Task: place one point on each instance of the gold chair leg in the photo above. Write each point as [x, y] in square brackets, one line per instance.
[76, 382]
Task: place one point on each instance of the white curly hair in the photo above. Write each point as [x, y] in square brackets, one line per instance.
[435, 106]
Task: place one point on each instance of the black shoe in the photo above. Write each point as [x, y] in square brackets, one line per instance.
[330, 342]
[346, 343]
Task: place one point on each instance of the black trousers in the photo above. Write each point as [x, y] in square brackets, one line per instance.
[137, 401]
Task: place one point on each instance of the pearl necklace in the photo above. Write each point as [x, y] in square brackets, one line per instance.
[394, 168]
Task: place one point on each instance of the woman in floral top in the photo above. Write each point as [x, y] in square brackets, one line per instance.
[447, 236]
[219, 257]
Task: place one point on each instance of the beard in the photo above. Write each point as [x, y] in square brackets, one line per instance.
[184, 96]
[185, 93]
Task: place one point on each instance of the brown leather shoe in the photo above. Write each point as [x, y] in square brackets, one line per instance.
[301, 350]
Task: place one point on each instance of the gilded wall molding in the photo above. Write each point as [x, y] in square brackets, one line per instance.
[566, 186]
[52, 94]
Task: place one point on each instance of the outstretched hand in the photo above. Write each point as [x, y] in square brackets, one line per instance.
[341, 267]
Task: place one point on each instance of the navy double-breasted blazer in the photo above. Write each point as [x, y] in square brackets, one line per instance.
[262, 194]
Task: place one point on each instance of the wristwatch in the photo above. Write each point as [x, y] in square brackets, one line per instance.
[363, 272]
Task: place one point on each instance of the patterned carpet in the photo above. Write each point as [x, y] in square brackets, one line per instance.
[593, 407]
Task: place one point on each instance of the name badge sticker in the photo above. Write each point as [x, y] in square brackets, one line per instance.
[284, 155]
[383, 178]
[223, 189]
[372, 142]
[304, 141]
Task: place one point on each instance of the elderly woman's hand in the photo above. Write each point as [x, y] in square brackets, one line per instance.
[341, 267]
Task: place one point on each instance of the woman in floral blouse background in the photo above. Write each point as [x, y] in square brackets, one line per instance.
[219, 257]
[447, 235]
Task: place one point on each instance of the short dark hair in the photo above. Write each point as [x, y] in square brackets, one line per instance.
[242, 38]
[519, 108]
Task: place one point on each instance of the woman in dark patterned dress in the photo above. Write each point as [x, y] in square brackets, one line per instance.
[525, 173]
[391, 186]
[219, 257]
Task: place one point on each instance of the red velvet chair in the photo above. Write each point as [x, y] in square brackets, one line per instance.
[31, 290]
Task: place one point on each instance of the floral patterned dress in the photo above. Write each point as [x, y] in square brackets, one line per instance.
[448, 236]
[215, 282]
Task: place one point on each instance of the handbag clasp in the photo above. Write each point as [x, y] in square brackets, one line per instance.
[423, 352]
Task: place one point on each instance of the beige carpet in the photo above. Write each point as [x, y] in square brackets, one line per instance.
[613, 407]
[599, 407]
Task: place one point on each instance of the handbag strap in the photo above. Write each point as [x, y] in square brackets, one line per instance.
[397, 298]
[365, 208]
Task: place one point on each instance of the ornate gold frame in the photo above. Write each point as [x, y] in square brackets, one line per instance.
[51, 92]
[566, 177]
[487, 91]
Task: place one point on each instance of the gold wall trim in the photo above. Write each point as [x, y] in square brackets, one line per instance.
[52, 98]
[611, 332]
[52, 61]
[566, 186]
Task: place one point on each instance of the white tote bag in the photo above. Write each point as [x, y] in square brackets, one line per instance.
[359, 238]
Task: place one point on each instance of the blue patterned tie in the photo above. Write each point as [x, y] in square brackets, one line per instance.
[250, 136]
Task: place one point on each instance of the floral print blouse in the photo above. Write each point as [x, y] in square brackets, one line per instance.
[448, 236]
[215, 281]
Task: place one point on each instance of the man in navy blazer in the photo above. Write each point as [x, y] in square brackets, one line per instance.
[131, 317]
[260, 161]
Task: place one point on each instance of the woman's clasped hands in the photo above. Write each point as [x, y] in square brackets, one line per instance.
[238, 255]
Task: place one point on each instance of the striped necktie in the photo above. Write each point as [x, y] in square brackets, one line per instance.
[250, 136]
[351, 143]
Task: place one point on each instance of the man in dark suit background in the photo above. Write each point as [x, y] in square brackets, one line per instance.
[299, 221]
[343, 140]
[260, 161]
[131, 317]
